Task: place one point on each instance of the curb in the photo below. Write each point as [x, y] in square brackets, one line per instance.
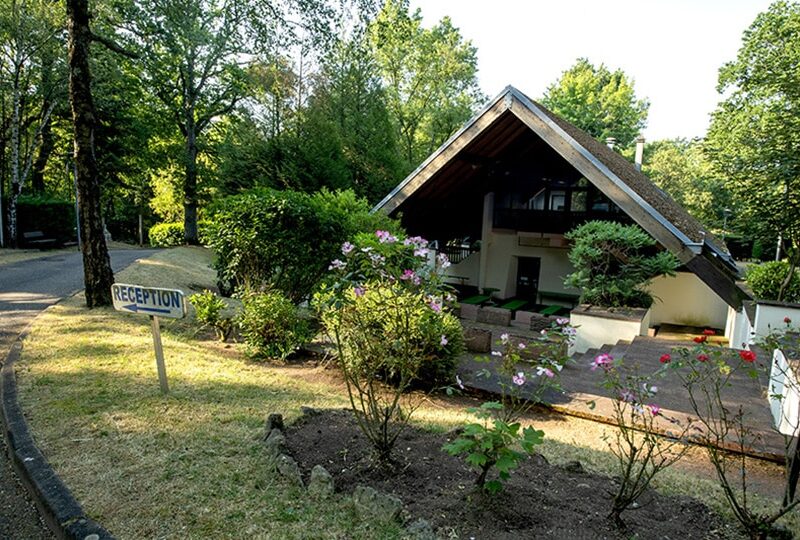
[62, 513]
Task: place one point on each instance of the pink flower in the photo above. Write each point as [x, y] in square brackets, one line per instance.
[347, 247]
[702, 357]
[626, 396]
[336, 264]
[443, 341]
[443, 260]
[385, 237]
[654, 409]
[665, 359]
[747, 356]
[407, 274]
[562, 321]
[421, 252]
[518, 379]
[521, 346]
[602, 360]
[358, 291]
[435, 305]
[547, 372]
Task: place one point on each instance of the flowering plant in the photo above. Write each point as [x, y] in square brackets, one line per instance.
[707, 372]
[385, 308]
[523, 379]
[640, 452]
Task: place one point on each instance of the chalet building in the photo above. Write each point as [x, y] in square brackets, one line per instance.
[499, 195]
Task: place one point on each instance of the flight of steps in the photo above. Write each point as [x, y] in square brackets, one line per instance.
[643, 349]
[617, 351]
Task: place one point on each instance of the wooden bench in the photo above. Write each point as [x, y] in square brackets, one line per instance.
[550, 310]
[475, 300]
[514, 304]
[39, 240]
[559, 297]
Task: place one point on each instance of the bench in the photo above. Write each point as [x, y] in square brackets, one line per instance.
[559, 297]
[550, 310]
[38, 239]
[514, 304]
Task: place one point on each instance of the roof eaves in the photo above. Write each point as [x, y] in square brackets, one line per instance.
[505, 95]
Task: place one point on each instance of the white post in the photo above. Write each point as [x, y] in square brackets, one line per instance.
[162, 369]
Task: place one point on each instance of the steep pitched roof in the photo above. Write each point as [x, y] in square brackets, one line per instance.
[616, 177]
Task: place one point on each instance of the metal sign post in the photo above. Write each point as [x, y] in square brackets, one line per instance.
[155, 303]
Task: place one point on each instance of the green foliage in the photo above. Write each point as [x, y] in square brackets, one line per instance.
[282, 240]
[430, 77]
[615, 263]
[171, 234]
[208, 310]
[767, 279]
[271, 325]
[601, 102]
[54, 217]
[492, 444]
[383, 306]
[681, 168]
[756, 127]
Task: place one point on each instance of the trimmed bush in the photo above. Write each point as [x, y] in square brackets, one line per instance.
[765, 280]
[54, 217]
[271, 325]
[615, 263]
[171, 234]
[283, 240]
[208, 311]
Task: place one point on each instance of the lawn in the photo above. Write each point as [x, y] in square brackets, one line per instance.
[191, 464]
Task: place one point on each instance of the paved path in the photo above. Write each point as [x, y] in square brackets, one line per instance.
[26, 288]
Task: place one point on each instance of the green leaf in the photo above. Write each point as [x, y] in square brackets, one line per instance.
[477, 459]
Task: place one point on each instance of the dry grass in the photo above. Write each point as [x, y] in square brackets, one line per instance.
[191, 465]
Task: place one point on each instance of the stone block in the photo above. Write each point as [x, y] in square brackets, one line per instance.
[494, 315]
[374, 505]
[469, 312]
[320, 484]
[477, 340]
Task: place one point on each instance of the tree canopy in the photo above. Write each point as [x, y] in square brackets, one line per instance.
[599, 101]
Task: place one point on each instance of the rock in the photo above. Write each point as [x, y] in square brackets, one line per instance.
[320, 484]
[469, 312]
[420, 530]
[275, 442]
[477, 340]
[309, 411]
[494, 315]
[287, 467]
[371, 504]
[274, 421]
[573, 467]
[541, 322]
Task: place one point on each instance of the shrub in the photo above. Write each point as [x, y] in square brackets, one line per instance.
[171, 234]
[615, 263]
[766, 280]
[208, 310]
[271, 325]
[282, 240]
[384, 308]
[54, 217]
[496, 441]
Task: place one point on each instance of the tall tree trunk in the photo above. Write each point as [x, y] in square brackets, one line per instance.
[45, 151]
[97, 273]
[16, 188]
[190, 183]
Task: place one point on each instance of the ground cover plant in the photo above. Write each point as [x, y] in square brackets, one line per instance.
[192, 465]
[208, 311]
[384, 308]
[614, 263]
[271, 325]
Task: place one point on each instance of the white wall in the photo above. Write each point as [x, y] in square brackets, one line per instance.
[468, 268]
[739, 329]
[786, 409]
[685, 299]
[595, 331]
[770, 317]
[502, 250]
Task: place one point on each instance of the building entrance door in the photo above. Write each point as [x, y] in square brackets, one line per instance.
[528, 277]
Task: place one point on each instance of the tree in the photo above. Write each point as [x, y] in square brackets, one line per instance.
[601, 102]
[681, 168]
[28, 29]
[754, 138]
[429, 75]
[195, 56]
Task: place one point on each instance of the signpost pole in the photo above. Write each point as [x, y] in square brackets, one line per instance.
[162, 369]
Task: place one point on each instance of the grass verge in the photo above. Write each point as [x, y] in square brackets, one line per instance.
[191, 465]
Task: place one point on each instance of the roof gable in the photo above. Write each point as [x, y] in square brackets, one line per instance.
[616, 177]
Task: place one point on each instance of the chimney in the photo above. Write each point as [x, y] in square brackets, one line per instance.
[637, 161]
[611, 142]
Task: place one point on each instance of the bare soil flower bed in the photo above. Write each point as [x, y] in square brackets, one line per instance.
[540, 501]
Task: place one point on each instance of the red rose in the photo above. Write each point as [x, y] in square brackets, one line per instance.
[747, 356]
[709, 332]
[665, 359]
[700, 339]
[787, 320]
[702, 357]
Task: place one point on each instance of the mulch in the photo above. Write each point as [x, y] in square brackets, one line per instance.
[539, 501]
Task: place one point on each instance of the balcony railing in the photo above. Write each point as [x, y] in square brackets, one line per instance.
[549, 221]
[456, 254]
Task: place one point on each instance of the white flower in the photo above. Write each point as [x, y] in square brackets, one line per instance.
[504, 338]
[497, 353]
